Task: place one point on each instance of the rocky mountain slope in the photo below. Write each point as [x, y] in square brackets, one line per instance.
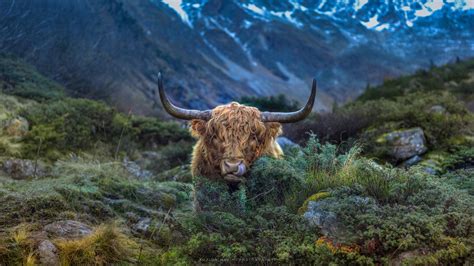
[214, 51]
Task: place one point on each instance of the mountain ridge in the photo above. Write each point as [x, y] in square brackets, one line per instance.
[113, 49]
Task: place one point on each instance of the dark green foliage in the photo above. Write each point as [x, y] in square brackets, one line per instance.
[273, 182]
[279, 103]
[153, 132]
[267, 234]
[21, 79]
[217, 195]
[72, 125]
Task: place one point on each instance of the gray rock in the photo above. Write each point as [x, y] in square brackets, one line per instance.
[412, 161]
[134, 169]
[16, 127]
[437, 109]
[22, 169]
[318, 214]
[68, 229]
[405, 144]
[286, 143]
[48, 253]
[431, 166]
[142, 226]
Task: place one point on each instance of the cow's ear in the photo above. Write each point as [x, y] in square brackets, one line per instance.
[274, 129]
[198, 127]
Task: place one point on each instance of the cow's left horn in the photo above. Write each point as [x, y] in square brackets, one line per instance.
[292, 116]
[177, 111]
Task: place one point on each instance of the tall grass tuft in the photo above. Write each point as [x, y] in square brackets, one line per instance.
[327, 168]
[106, 245]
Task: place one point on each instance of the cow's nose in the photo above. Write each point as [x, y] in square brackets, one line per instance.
[235, 167]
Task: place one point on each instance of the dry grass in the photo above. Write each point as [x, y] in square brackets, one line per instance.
[106, 245]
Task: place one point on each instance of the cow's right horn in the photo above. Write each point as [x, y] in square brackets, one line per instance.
[177, 111]
[292, 117]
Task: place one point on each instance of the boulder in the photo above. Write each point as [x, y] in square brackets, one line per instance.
[286, 143]
[17, 127]
[317, 215]
[48, 253]
[22, 169]
[404, 144]
[68, 229]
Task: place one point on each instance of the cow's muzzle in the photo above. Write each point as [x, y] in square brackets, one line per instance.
[233, 170]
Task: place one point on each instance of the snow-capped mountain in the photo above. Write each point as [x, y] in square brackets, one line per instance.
[214, 51]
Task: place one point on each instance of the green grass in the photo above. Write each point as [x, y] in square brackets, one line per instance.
[21, 79]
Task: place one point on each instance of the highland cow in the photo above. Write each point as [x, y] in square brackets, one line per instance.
[232, 136]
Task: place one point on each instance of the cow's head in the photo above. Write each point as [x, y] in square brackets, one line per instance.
[233, 136]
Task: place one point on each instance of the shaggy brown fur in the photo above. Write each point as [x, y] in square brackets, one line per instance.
[234, 131]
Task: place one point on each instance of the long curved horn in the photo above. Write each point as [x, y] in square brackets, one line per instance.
[292, 116]
[177, 111]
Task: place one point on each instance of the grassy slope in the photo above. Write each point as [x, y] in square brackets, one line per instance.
[382, 212]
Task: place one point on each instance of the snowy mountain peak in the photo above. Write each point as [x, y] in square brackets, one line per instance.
[372, 14]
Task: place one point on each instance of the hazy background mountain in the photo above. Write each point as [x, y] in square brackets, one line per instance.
[214, 51]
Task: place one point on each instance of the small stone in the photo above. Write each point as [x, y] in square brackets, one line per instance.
[437, 109]
[142, 226]
[412, 161]
[68, 229]
[48, 253]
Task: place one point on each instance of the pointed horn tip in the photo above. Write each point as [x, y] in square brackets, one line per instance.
[296, 116]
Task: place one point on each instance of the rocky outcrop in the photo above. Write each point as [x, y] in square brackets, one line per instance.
[318, 213]
[67, 229]
[23, 169]
[404, 144]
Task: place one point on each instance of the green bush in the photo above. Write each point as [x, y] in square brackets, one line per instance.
[75, 125]
[71, 125]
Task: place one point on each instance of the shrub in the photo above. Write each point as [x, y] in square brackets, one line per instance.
[71, 125]
[74, 125]
[273, 182]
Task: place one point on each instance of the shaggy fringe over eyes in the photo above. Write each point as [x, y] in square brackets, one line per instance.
[223, 124]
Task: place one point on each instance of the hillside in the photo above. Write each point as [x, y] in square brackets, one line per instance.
[212, 52]
[84, 184]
